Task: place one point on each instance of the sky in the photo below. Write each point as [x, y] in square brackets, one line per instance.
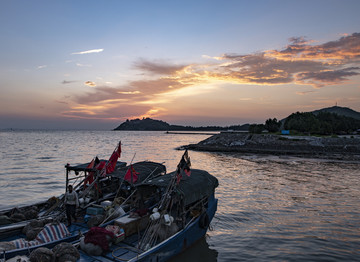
[94, 64]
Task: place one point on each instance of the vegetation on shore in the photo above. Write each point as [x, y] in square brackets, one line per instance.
[327, 121]
[323, 123]
[313, 123]
[148, 124]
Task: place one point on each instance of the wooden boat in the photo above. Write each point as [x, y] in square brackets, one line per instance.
[14, 219]
[179, 209]
[185, 208]
[99, 201]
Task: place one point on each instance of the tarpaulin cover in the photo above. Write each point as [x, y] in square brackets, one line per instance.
[199, 185]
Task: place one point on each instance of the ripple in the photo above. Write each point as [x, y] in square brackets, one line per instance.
[270, 208]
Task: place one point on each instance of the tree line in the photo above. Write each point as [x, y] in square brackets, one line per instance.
[323, 123]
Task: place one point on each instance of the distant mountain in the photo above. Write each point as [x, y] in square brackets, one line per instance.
[342, 111]
[148, 124]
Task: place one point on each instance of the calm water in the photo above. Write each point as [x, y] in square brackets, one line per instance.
[270, 208]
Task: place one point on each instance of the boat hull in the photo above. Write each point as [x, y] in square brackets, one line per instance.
[181, 240]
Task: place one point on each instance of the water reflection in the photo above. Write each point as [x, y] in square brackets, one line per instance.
[199, 252]
[270, 208]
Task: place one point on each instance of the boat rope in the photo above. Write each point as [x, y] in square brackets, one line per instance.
[122, 181]
[150, 236]
[122, 204]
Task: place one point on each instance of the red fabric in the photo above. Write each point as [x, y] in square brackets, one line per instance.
[119, 149]
[107, 167]
[178, 178]
[110, 165]
[142, 212]
[90, 178]
[97, 236]
[101, 165]
[101, 168]
[183, 167]
[131, 174]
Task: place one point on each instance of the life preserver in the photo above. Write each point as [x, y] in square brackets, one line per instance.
[204, 221]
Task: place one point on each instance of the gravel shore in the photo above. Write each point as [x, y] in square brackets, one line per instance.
[337, 148]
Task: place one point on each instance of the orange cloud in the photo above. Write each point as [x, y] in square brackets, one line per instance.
[90, 83]
[344, 50]
[301, 63]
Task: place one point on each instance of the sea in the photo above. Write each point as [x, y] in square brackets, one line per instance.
[270, 208]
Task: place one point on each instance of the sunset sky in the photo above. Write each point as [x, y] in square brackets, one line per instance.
[93, 64]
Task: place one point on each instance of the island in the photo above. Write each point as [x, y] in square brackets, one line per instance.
[330, 133]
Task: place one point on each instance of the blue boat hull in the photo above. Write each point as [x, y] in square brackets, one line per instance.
[182, 240]
[170, 247]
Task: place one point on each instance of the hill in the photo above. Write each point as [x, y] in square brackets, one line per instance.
[148, 124]
[342, 111]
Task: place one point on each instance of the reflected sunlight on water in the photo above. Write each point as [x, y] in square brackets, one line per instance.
[270, 208]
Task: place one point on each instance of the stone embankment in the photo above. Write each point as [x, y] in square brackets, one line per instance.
[340, 148]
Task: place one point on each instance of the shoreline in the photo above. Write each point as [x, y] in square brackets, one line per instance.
[190, 133]
[331, 148]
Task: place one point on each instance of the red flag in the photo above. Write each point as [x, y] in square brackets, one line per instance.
[131, 175]
[187, 171]
[101, 167]
[111, 164]
[178, 178]
[119, 149]
[90, 178]
[183, 167]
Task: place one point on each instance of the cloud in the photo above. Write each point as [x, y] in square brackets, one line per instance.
[157, 67]
[304, 93]
[90, 83]
[302, 62]
[41, 66]
[83, 65]
[65, 82]
[88, 52]
[320, 78]
[61, 102]
[346, 49]
[298, 40]
[129, 92]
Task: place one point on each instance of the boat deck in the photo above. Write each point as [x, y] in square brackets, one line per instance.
[123, 251]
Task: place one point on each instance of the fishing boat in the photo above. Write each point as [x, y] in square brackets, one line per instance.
[168, 213]
[13, 220]
[185, 206]
[103, 196]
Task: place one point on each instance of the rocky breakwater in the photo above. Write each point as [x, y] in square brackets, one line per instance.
[341, 148]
